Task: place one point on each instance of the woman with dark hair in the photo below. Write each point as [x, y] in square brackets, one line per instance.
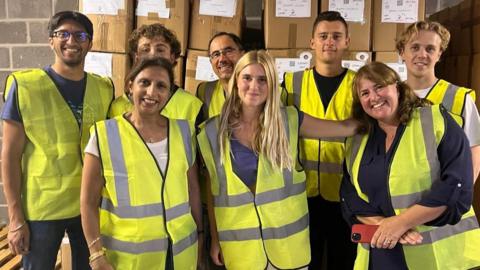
[140, 168]
[409, 173]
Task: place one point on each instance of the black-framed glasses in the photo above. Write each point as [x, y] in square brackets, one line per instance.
[79, 36]
[228, 51]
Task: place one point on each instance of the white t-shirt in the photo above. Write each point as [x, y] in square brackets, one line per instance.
[470, 115]
[158, 149]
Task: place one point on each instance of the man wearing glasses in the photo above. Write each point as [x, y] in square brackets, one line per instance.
[46, 120]
[224, 50]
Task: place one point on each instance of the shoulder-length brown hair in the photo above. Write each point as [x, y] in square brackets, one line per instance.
[383, 75]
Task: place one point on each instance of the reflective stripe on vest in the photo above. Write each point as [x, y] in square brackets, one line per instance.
[52, 156]
[117, 139]
[259, 235]
[322, 159]
[465, 233]
[212, 95]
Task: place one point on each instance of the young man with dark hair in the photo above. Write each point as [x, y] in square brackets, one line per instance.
[224, 50]
[46, 120]
[155, 40]
[324, 91]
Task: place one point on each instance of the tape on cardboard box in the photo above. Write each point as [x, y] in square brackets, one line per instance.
[292, 35]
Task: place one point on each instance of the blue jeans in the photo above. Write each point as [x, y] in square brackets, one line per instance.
[45, 240]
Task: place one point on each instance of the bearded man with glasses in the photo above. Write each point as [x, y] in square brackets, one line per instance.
[46, 120]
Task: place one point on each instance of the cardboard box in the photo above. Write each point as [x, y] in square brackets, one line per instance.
[450, 72]
[178, 71]
[360, 33]
[287, 33]
[385, 34]
[393, 60]
[113, 65]
[291, 60]
[111, 31]
[191, 83]
[177, 22]
[354, 60]
[464, 63]
[476, 27]
[203, 27]
[475, 79]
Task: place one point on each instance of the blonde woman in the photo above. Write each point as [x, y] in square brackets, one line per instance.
[259, 213]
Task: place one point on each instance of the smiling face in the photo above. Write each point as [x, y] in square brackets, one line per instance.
[421, 53]
[70, 52]
[252, 86]
[227, 54]
[330, 41]
[150, 90]
[155, 47]
[379, 102]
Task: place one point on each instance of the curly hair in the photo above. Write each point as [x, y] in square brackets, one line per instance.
[414, 28]
[383, 75]
[151, 31]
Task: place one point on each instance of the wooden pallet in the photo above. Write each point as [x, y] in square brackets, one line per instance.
[8, 261]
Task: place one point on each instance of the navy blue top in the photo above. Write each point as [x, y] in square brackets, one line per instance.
[72, 91]
[245, 161]
[454, 189]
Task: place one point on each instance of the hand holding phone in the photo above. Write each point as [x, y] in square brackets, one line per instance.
[363, 233]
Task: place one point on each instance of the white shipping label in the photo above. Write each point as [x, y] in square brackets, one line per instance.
[399, 11]
[99, 63]
[222, 8]
[204, 71]
[290, 65]
[105, 7]
[293, 8]
[353, 64]
[351, 10]
[401, 69]
[152, 6]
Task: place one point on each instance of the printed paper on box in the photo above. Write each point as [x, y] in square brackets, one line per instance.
[293, 8]
[203, 70]
[99, 63]
[399, 11]
[401, 69]
[353, 64]
[351, 10]
[106, 7]
[152, 6]
[290, 65]
[222, 8]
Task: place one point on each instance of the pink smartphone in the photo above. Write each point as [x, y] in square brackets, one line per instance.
[363, 233]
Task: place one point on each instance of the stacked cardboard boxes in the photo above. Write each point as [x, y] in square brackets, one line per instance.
[206, 20]
[113, 24]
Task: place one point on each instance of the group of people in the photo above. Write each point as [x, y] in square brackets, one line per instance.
[256, 174]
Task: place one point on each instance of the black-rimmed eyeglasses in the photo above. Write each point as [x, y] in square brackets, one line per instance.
[79, 36]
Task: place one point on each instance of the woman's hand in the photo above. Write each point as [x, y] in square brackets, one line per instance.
[101, 264]
[19, 239]
[411, 237]
[389, 232]
[216, 253]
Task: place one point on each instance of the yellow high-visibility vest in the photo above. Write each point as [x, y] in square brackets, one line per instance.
[52, 158]
[413, 170]
[212, 96]
[452, 97]
[321, 158]
[145, 212]
[268, 226]
[181, 105]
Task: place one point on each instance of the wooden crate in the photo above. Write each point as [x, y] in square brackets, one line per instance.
[8, 261]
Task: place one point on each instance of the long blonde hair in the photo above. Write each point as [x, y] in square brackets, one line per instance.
[270, 137]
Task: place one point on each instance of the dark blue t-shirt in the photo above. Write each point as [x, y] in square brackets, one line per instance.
[71, 91]
[245, 161]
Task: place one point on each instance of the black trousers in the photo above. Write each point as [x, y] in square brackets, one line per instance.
[329, 235]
